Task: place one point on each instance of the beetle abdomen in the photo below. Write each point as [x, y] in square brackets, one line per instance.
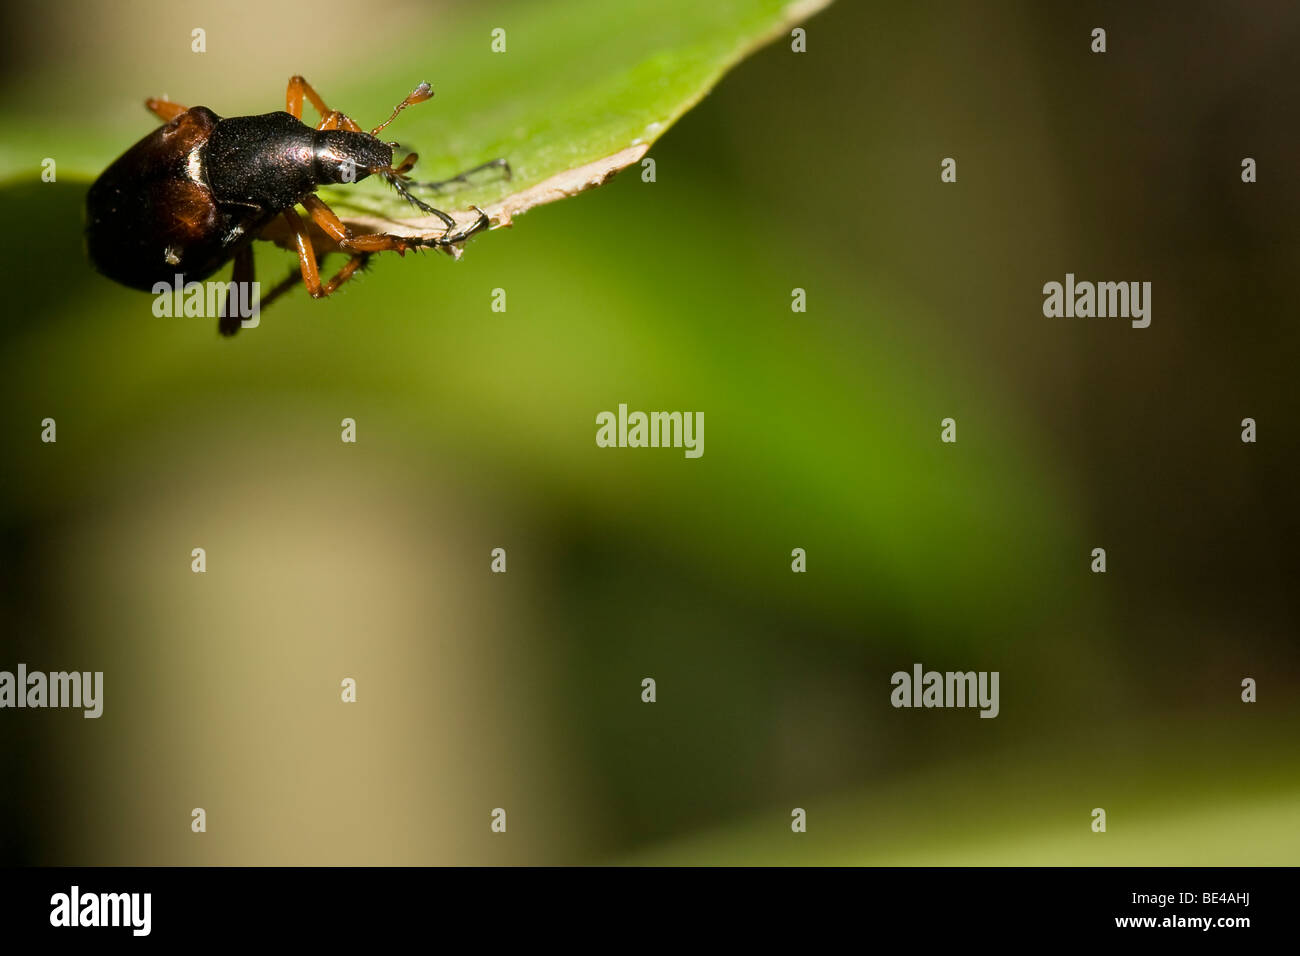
[151, 215]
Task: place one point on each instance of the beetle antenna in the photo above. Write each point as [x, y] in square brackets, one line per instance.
[418, 95]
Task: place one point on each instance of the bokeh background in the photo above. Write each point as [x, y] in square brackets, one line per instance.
[476, 431]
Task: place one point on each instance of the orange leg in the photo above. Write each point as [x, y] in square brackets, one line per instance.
[330, 223]
[306, 253]
[335, 120]
[308, 266]
[164, 109]
[354, 264]
[347, 272]
[298, 88]
[333, 227]
[406, 165]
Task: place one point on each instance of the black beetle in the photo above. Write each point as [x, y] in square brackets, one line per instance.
[197, 191]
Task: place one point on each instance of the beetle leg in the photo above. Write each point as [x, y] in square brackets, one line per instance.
[240, 279]
[324, 217]
[450, 238]
[307, 256]
[330, 223]
[329, 119]
[482, 222]
[337, 120]
[464, 177]
[298, 88]
[349, 269]
[306, 253]
[405, 166]
[333, 227]
[164, 108]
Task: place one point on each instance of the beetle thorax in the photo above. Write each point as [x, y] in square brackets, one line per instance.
[262, 161]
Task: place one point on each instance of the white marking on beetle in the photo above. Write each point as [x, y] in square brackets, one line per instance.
[194, 166]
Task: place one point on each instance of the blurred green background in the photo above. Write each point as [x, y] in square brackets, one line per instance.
[476, 431]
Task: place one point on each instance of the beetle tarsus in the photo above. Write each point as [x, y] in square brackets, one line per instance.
[450, 238]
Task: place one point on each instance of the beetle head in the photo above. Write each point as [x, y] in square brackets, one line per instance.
[345, 157]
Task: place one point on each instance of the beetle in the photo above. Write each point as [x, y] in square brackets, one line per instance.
[196, 192]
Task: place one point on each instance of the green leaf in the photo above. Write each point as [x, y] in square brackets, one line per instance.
[581, 90]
